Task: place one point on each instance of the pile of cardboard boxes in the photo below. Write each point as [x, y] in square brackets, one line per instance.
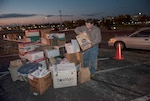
[54, 70]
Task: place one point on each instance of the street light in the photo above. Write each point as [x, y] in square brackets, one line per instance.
[60, 19]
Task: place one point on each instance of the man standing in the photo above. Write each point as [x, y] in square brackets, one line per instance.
[90, 55]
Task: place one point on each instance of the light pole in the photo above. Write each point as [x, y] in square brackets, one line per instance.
[60, 19]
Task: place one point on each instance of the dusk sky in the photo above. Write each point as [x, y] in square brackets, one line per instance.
[43, 11]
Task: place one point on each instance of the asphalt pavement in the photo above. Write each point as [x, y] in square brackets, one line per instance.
[115, 80]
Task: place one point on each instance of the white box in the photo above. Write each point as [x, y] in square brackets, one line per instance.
[72, 47]
[52, 53]
[37, 44]
[75, 45]
[69, 48]
[41, 61]
[33, 56]
[60, 35]
[30, 33]
[14, 74]
[64, 75]
[50, 35]
[25, 47]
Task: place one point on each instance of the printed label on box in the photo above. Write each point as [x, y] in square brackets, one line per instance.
[64, 75]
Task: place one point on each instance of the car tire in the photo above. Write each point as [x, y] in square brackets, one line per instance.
[121, 44]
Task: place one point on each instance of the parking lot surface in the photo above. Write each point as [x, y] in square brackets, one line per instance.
[114, 80]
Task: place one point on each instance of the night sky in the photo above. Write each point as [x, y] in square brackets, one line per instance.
[43, 11]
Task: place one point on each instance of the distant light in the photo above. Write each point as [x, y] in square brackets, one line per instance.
[140, 13]
[4, 36]
[23, 29]
[114, 28]
[19, 37]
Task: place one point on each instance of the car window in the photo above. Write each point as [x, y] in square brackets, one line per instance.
[145, 33]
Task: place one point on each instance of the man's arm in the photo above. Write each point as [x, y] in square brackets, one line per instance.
[97, 37]
[78, 30]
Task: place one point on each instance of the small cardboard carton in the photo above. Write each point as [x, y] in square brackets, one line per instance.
[40, 85]
[84, 41]
[72, 58]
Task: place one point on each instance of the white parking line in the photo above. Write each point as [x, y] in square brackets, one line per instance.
[143, 98]
[117, 68]
[103, 59]
[2, 74]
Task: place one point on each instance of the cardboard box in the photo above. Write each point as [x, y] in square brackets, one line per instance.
[15, 63]
[30, 33]
[9, 36]
[72, 47]
[49, 35]
[33, 56]
[26, 47]
[64, 75]
[61, 50]
[72, 58]
[37, 44]
[42, 61]
[69, 48]
[61, 42]
[80, 58]
[40, 85]
[32, 39]
[45, 41]
[52, 53]
[53, 41]
[14, 74]
[84, 41]
[44, 31]
[60, 35]
[44, 48]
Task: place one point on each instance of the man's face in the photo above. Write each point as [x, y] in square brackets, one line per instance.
[88, 25]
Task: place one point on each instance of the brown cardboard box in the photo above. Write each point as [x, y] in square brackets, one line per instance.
[79, 56]
[84, 41]
[40, 85]
[10, 36]
[84, 75]
[44, 48]
[54, 42]
[45, 41]
[72, 57]
[44, 31]
[61, 42]
[15, 63]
